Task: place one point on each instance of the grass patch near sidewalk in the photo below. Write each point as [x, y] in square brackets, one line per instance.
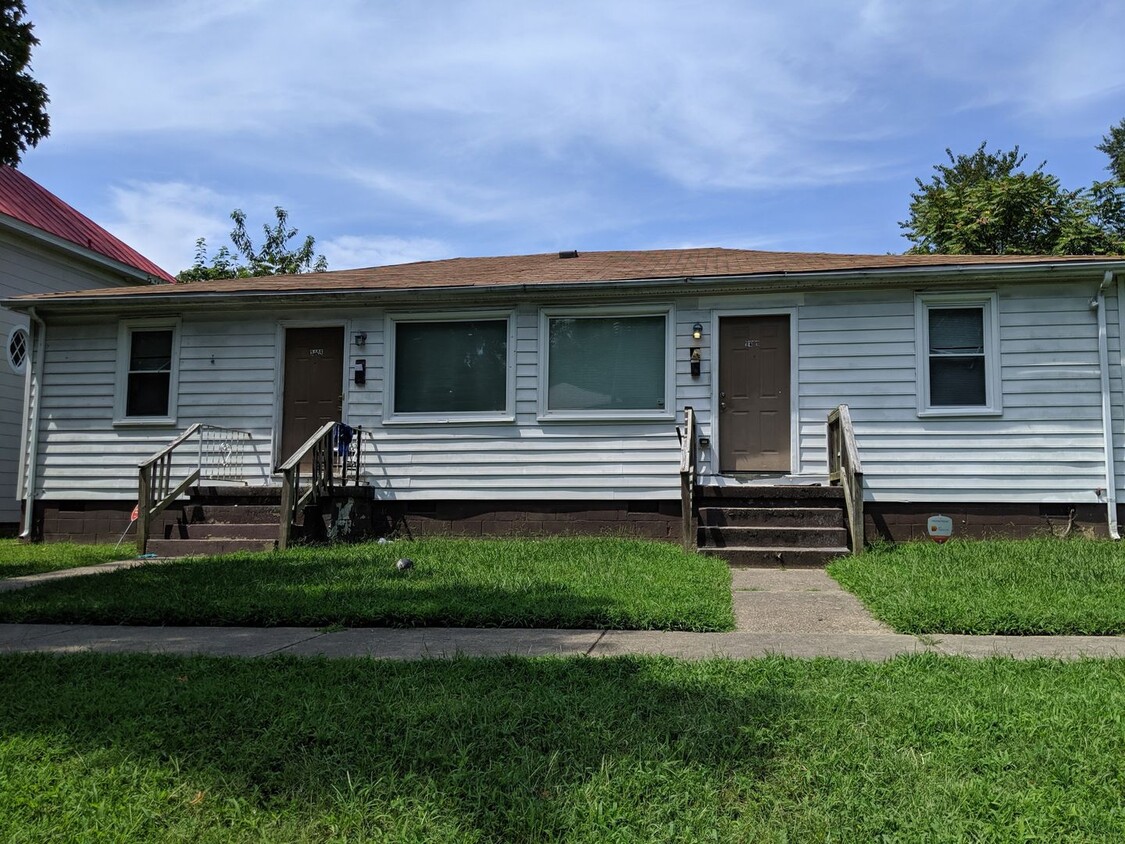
[156, 748]
[19, 558]
[1014, 587]
[565, 582]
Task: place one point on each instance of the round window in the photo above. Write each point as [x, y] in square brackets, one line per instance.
[17, 350]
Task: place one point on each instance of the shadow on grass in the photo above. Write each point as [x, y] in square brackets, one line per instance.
[501, 749]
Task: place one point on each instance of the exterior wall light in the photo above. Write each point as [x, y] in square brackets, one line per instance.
[360, 338]
[697, 332]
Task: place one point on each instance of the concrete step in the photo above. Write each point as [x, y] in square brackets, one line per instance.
[827, 517]
[742, 536]
[770, 557]
[222, 530]
[206, 547]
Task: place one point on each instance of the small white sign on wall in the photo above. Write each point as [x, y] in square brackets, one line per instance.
[939, 528]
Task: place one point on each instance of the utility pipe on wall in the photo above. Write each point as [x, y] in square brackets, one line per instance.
[29, 450]
[1098, 304]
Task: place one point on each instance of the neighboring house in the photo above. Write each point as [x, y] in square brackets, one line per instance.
[988, 388]
[45, 247]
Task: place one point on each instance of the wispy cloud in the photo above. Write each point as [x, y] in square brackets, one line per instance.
[491, 121]
[163, 219]
[351, 251]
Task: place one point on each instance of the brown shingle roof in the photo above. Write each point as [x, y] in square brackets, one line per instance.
[587, 267]
[29, 202]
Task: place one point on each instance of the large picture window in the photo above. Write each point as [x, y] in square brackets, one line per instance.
[959, 361]
[605, 365]
[451, 368]
[146, 390]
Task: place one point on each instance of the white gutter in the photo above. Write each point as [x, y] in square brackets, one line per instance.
[1098, 304]
[29, 437]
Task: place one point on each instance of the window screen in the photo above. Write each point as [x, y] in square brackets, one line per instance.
[957, 358]
[606, 363]
[150, 373]
[451, 367]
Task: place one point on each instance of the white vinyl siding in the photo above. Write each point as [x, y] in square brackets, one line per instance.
[1046, 445]
[857, 347]
[29, 267]
[227, 377]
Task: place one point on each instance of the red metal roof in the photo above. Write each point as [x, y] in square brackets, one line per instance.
[31, 203]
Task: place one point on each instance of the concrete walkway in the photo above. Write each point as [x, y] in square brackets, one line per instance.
[793, 612]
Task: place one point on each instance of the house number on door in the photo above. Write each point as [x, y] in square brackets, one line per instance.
[316, 353]
[753, 344]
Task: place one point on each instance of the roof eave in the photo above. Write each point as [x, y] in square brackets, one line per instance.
[195, 294]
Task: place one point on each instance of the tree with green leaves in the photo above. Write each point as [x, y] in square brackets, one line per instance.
[23, 101]
[986, 203]
[1113, 145]
[275, 256]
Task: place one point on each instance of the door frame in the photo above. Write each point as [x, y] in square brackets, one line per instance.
[794, 404]
[279, 374]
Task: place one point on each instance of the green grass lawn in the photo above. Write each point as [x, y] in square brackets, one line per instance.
[19, 558]
[1043, 586]
[152, 748]
[614, 583]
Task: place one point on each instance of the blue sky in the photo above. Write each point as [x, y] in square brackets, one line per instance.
[401, 131]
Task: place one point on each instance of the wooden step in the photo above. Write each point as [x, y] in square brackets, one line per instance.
[236, 514]
[771, 557]
[759, 495]
[206, 547]
[826, 517]
[222, 530]
[742, 536]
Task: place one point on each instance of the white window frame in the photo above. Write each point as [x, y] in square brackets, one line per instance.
[393, 417]
[22, 368]
[988, 302]
[666, 413]
[121, 392]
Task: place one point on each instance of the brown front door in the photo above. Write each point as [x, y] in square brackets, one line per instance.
[754, 412]
[313, 392]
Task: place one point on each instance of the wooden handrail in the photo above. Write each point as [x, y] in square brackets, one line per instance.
[327, 460]
[154, 478]
[687, 480]
[845, 470]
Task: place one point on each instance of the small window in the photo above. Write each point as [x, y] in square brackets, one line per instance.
[605, 365]
[18, 350]
[958, 359]
[147, 373]
[451, 368]
[150, 373]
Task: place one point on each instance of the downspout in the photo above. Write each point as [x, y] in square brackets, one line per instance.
[1098, 304]
[29, 451]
